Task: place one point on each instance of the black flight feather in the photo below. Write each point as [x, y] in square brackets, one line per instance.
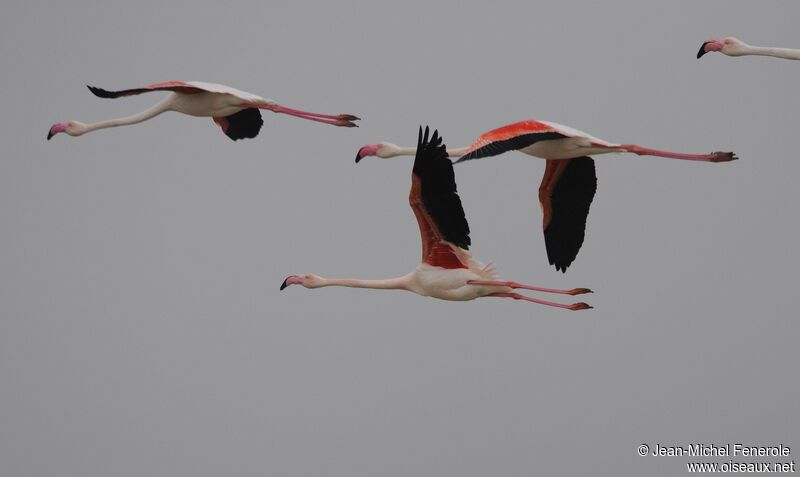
[570, 201]
[438, 189]
[244, 124]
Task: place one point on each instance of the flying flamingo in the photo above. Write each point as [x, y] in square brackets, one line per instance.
[236, 112]
[569, 182]
[447, 271]
[734, 47]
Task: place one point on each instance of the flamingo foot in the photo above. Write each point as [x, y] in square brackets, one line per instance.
[579, 291]
[723, 156]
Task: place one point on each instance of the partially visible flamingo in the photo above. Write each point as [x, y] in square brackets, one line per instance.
[734, 47]
[447, 271]
[569, 182]
[236, 112]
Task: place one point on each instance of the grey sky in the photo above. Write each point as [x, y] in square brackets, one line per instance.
[141, 327]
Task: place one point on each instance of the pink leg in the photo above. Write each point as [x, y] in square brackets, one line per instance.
[574, 291]
[517, 296]
[713, 157]
[284, 109]
[335, 120]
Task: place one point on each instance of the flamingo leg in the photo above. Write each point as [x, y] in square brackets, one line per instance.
[345, 120]
[713, 157]
[574, 291]
[517, 296]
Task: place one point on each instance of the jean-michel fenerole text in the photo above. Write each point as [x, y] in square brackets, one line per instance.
[726, 450]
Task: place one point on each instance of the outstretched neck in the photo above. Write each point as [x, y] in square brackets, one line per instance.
[457, 152]
[400, 283]
[785, 53]
[401, 151]
[412, 151]
[164, 105]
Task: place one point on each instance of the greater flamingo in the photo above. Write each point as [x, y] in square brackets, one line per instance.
[734, 47]
[236, 112]
[447, 271]
[569, 182]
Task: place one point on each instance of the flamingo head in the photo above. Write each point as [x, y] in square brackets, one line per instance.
[728, 46]
[382, 149]
[73, 128]
[307, 280]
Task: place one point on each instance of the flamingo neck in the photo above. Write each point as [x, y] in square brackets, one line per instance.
[457, 152]
[401, 151]
[412, 151]
[151, 112]
[400, 283]
[785, 53]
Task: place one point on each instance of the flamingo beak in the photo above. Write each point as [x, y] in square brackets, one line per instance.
[702, 50]
[368, 150]
[361, 154]
[56, 128]
[711, 45]
[291, 280]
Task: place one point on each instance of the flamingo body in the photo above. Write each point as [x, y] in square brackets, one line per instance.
[453, 284]
[206, 104]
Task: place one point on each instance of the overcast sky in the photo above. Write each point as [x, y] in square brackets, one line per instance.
[142, 332]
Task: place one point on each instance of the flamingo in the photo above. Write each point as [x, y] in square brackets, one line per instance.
[734, 47]
[569, 182]
[236, 112]
[447, 271]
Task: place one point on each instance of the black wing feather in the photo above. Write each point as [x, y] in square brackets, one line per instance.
[439, 192]
[102, 93]
[244, 124]
[702, 50]
[513, 144]
[571, 198]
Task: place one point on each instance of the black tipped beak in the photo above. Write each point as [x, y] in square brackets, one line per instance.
[284, 284]
[49, 135]
[358, 156]
[702, 51]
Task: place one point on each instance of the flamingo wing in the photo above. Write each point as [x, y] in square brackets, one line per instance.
[176, 86]
[244, 124]
[183, 87]
[436, 205]
[566, 193]
[512, 137]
